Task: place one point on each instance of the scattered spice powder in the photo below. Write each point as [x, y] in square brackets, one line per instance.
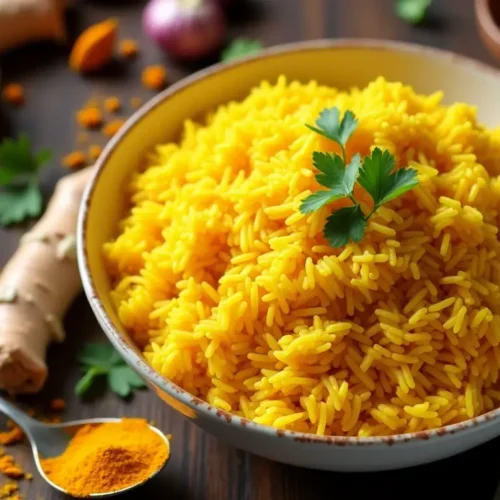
[9, 467]
[154, 77]
[28, 476]
[93, 49]
[112, 104]
[12, 436]
[135, 102]
[129, 48]
[94, 152]
[112, 128]
[107, 457]
[13, 93]
[8, 489]
[57, 404]
[74, 160]
[89, 117]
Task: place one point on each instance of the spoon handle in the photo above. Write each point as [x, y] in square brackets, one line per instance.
[19, 416]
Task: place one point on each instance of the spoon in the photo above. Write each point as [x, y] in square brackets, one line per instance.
[50, 440]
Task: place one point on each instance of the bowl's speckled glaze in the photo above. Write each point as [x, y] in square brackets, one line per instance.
[341, 63]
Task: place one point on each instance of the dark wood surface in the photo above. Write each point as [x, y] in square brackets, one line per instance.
[202, 467]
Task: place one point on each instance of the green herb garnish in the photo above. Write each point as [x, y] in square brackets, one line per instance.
[239, 48]
[375, 174]
[20, 169]
[412, 11]
[100, 359]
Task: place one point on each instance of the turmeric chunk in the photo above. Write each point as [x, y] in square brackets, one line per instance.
[112, 104]
[13, 93]
[129, 48]
[74, 160]
[93, 49]
[14, 435]
[154, 77]
[89, 117]
[112, 128]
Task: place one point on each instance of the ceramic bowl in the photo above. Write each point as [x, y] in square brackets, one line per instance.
[341, 63]
[488, 22]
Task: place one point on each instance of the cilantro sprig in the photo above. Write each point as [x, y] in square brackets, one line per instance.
[240, 47]
[376, 174]
[100, 360]
[20, 169]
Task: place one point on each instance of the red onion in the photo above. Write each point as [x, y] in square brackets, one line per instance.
[186, 29]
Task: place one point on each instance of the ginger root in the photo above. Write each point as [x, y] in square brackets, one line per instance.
[23, 21]
[36, 288]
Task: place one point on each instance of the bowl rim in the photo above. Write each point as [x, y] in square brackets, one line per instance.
[131, 354]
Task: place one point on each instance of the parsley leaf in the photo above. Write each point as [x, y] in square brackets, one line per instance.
[101, 359]
[382, 185]
[20, 196]
[335, 176]
[18, 203]
[240, 47]
[412, 11]
[345, 224]
[329, 125]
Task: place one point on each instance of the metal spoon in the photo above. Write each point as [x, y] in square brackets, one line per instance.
[50, 440]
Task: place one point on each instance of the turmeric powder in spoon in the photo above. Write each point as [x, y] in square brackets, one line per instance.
[107, 457]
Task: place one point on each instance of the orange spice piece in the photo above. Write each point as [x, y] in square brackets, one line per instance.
[13, 93]
[8, 489]
[154, 77]
[9, 467]
[112, 104]
[94, 47]
[28, 476]
[135, 102]
[94, 152]
[112, 128]
[129, 48]
[73, 160]
[12, 436]
[57, 404]
[89, 117]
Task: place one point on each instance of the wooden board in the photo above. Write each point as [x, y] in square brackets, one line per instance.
[202, 467]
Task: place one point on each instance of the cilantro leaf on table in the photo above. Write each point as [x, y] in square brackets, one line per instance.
[345, 224]
[332, 127]
[412, 11]
[378, 180]
[376, 175]
[240, 47]
[20, 196]
[101, 359]
[334, 175]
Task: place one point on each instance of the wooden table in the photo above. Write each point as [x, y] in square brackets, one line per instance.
[202, 467]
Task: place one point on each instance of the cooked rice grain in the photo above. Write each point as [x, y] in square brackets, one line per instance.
[237, 297]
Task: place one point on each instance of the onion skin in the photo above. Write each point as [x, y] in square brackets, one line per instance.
[185, 29]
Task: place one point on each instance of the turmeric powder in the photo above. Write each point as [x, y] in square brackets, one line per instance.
[12, 436]
[8, 489]
[154, 77]
[89, 117]
[74, 160]
[129, 48]
[13, 93]
[94, 47]
[112, 128]
[9, 467]
[112, 104]
[107, 457]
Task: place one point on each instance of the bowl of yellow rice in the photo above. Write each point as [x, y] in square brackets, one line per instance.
[230, 302]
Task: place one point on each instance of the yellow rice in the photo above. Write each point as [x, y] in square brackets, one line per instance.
[237, 297]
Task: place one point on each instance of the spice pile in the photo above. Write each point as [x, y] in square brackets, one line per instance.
[108, 457]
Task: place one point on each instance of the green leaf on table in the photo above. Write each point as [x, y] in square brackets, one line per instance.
[412, 11]
[240, 47]
[100, 358]
[331, 126]
[379, 180]
[18, 203]
[344, 225]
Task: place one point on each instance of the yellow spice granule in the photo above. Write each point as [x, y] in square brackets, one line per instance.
[89, 117]
[75, 159]
[94, 151]
[112, 104]
[154, 77]
[128, 48]
[8, 489]
[112, 128]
